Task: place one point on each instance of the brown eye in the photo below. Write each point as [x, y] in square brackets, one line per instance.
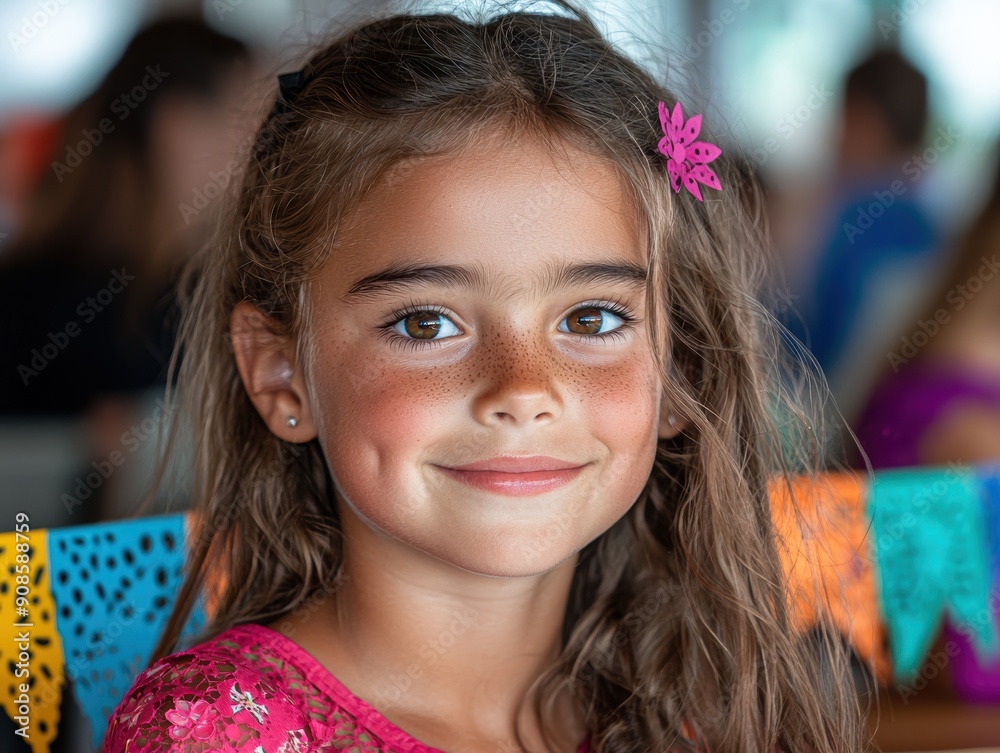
[425, 325]
[586, 321]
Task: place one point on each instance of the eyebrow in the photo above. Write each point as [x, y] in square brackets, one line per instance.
[400, 277]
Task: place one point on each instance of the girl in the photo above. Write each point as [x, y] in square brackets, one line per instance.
[487, 420]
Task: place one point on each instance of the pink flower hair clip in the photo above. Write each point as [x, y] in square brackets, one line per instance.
[687, 159]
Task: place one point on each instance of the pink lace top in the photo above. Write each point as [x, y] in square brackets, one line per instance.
[249, 690]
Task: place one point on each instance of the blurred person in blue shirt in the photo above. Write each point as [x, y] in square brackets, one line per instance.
[878, 244]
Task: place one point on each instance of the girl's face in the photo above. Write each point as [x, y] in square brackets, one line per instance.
[477, 306]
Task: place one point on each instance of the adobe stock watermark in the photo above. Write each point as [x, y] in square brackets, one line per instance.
[914, 168]
[33, 24]
[936, 661]
[87, 311]
[713, 29]
[222, 7]
[790, 123]
[432, 650]
[637, 617]
[209, 528]
[958, 297]
[784, 300]
[201, 198]
[536, 206]
[130, 440]
[98, 643]
[926, 496]
[900, 14]
[304, 611]
[123, 106]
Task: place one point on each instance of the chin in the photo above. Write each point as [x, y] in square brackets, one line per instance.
[512, 556]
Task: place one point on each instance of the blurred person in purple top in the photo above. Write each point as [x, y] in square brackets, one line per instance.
[938, 396]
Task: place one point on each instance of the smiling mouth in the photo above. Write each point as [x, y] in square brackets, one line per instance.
[514, 484]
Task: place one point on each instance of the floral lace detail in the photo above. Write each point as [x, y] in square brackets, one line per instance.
[183, 703]
[248, 690]
[231, 694]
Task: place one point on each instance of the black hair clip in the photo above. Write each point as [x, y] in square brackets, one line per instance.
[289, 84]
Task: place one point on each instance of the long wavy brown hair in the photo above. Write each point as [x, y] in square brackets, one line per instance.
[679, 613]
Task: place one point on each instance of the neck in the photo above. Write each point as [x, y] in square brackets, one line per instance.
[423, 641]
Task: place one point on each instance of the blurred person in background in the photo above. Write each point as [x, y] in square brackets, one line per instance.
[27, 141]
[937, 399]
[879, 244]
[86, 286]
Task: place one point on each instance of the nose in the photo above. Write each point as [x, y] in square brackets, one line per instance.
[519, 385]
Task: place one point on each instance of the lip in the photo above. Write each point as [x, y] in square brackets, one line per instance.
[516, 476]
[518, 464]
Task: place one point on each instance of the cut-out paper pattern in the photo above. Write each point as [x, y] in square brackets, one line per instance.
[44, 665]
[824, 544]
[115, 587]
[930, 547]
[975, 678]
[989, 478]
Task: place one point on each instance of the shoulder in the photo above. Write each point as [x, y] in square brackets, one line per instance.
[221, 695]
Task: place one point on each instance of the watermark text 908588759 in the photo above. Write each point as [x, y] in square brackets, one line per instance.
[22, 624]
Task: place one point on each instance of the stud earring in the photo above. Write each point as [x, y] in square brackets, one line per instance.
[671, 419]
[292, 422]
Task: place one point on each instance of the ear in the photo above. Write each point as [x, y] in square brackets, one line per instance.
[671, 422]
[266, 362]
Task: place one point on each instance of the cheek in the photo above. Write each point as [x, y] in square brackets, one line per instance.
[623, 401]
[373, 419]
[624, 414]
[375, 412]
